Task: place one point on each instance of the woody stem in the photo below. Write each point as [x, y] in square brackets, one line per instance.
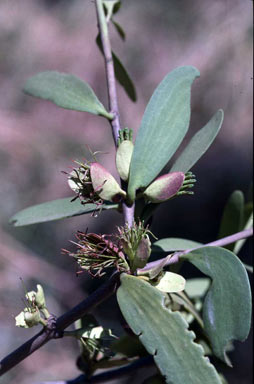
[128, 212]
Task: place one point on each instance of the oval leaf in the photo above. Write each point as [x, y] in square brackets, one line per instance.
[164, 334]
[232, 218]
[199, 144]
[227, 305]
[163, 127]
[55, 210]
[66, 91]
[171, 282]
[171, 244]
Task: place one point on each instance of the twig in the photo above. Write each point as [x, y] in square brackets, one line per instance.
[128, 212]
[218, 243]
[109, 66]
[56, 327]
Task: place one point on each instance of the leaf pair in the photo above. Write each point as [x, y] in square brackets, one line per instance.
[163, 127]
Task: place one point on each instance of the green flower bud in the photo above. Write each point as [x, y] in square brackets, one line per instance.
[135, 244]
[36, 299]
[143, 253]
[40, 298]
[123, 158]
[105, 185]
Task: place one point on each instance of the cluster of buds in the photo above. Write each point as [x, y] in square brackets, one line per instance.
[35, 311]
[94, 184]
[95, 253]
[136, 244]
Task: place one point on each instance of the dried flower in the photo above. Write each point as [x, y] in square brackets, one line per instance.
[95, 253]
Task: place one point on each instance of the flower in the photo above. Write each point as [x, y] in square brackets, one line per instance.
[96, 252]
[135, 243]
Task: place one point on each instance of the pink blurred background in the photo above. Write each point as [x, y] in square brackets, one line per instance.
[39, 140]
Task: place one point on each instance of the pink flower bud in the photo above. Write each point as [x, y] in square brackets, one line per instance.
[105, 185]
[164, 187]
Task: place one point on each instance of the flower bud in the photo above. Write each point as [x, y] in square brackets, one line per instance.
[40, 298]
[136, 244]
[123, 158]
[143, 253]
[164, 187]
[105, 185]
[36, 299]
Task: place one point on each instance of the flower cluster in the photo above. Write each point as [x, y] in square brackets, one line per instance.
[95, 253]
[135, 243]
[35, 308]
[94, 184]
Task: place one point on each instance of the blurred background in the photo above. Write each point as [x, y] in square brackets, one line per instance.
[39, 140]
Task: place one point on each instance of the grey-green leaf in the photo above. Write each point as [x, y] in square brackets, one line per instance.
[232, 218]
[163, 127]
[66, 91]
[227, 305]
[199, 144]
[54, 210]
[171, 244]
[164, 334]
